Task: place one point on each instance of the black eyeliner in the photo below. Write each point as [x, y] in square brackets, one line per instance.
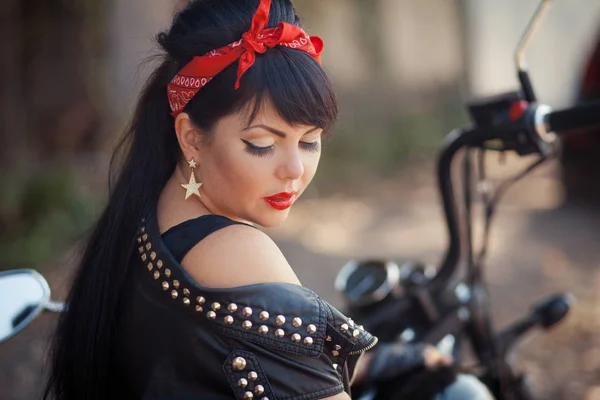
[257, 150]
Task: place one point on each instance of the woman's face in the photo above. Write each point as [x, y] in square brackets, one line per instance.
[255, 172]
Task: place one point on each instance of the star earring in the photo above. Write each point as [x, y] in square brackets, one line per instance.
[192, 187]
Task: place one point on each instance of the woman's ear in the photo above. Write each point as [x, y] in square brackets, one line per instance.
[188, 136]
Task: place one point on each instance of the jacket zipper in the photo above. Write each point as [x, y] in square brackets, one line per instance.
[369, 347]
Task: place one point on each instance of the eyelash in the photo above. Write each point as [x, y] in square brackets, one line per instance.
[267, 151]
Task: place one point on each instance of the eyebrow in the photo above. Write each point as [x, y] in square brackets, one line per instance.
[276, 131]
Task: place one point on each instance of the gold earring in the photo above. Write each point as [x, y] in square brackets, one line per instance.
[192, 187]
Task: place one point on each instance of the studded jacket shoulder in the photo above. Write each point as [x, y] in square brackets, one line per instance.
[179, 340]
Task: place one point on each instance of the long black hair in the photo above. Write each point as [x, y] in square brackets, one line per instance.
[298, 88]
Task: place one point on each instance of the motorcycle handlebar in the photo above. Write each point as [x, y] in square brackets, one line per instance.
[544, 122]
[579, 117]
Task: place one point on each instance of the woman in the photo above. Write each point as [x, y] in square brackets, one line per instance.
[179, 295]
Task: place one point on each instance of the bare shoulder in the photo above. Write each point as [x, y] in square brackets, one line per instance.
[340, 396]
[238, 255]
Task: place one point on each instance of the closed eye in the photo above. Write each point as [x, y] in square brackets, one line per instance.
[257, 150]
[312, 147]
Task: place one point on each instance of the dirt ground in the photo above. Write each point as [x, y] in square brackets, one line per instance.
[538, 246]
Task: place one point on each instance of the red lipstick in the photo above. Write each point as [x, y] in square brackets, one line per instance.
[281, 201]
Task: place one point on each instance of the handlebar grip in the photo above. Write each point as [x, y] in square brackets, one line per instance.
[582, 116]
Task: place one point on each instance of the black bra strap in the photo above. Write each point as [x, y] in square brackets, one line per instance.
[182, 237]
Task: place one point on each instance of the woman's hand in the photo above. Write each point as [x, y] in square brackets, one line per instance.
[388, 360]
[434, 358]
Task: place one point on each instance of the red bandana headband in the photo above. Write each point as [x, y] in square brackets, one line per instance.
[198, 72]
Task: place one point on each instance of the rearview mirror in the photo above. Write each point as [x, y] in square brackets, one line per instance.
[24, 293]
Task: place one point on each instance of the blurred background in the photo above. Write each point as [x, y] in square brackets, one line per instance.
[71, 70]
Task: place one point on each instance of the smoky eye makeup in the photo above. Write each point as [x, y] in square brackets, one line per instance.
[311, 147]
[258, 151]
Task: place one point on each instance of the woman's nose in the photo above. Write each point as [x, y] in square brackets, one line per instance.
[292, 166]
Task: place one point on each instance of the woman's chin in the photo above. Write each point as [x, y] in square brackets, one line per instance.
[273, 219]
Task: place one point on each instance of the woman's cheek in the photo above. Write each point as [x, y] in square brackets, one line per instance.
[253, 175]
[310, 168]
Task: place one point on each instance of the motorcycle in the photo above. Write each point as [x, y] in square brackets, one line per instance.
[416, 303]
[448, 305]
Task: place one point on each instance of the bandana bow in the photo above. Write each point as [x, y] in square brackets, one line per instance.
[202, 69]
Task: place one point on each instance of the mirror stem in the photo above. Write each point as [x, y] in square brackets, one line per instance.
[55, 306]
[521, 47]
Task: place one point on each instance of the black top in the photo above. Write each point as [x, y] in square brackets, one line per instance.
[182, 237]
[180, 340]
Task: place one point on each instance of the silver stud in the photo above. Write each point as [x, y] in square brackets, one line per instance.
[247, 324]
[186, 301]
[336, 350]
[211, 315]
[148, 246]
[297, 322]
[296, 337]
[279, 333]
[143, 229]
[263, 316]
[228, 319]
[159, 264]
[144, 257]
[242, 382]
[239, 363]
[308, 340]
[215, 306]
[361, 327]
[186, 292]
[232, 307]
[248, 396]
[153, 256]
[174, 294]
[167, 272]
[145, 237]
[264, 398]
[141, 249]
[150, 266]
[198, 308]
[139, 239]
[259, 389]
[263, 329]
[335, 366]
[311, 329]
[200, 300]
[165, 285]
[328, 338]
[176, 284]
[351, 322]
[280, 320]
[247, 311]
[356, 333]
[252, 375]
[156, 275]
[344, 328]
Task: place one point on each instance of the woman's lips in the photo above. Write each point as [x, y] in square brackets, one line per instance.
[281, 201]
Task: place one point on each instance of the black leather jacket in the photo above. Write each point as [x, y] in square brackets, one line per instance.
[179, 340]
